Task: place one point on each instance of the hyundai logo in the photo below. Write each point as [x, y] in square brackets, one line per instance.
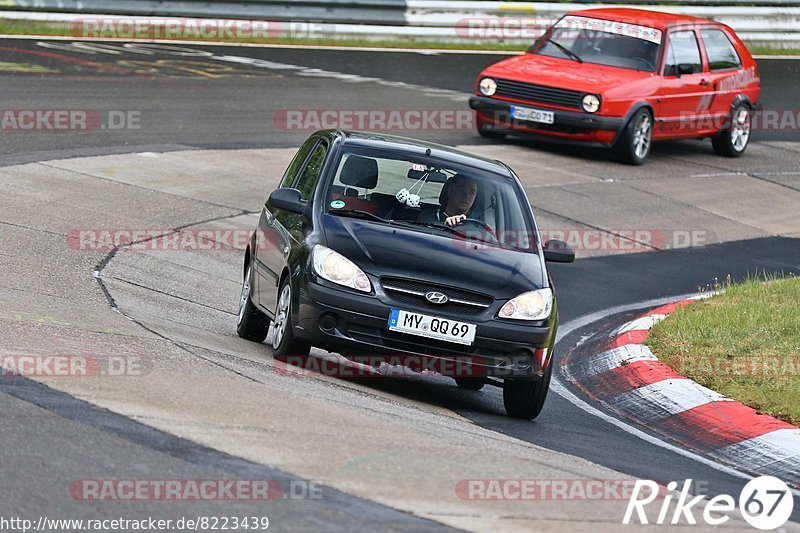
[435, 297]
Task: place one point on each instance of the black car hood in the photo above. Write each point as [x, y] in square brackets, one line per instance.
[390, 250]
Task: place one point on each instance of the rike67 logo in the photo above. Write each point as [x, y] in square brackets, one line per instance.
[765, 503]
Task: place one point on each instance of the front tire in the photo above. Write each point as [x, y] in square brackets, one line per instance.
[284, 342]
[633, 145]
[474, 384]
[491, 134]
[525, 398]
[733, 141]
[251, 323]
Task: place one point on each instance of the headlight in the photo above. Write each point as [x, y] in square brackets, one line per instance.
[590, 103]
[487, 86]
[533, 305]
[338, 269]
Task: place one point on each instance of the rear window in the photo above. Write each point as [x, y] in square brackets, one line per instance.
[720, 51]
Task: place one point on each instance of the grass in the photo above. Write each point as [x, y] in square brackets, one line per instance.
[743, 343]
[61, 29]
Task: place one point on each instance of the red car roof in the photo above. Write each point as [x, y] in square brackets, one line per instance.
[643, 17]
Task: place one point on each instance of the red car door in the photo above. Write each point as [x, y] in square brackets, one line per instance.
[726, 73]
[685, 93]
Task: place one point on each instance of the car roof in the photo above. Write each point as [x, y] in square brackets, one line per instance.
[643, 17]
[385, 141]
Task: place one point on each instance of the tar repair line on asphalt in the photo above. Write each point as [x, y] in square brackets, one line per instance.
[559, 388]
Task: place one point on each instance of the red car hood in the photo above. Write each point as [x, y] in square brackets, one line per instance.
[564, 73]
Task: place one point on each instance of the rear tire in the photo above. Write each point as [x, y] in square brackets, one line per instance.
[251, 324]
[633, 145]
[733, 141]
[284, 342]
[474, 384]
[525, 398]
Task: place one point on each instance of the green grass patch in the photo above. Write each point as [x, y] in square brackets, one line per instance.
[743, 343]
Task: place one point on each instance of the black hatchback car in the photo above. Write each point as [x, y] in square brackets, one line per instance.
[376, 245]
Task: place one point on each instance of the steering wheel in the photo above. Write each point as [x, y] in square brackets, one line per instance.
[645, 61]
[475, 222]
[482, 225]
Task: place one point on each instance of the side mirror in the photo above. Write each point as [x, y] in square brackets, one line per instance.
[556, 251]
[685, 68]
[288, 200]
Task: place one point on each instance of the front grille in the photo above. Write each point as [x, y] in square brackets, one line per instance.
[413, 292]
[539, 93]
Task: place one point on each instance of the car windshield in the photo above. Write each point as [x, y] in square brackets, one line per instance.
[602, 42]
[369, 184]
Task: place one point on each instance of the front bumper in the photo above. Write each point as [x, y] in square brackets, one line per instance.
[357, 325]
[567, 126]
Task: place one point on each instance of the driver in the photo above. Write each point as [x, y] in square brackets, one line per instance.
[458, 196]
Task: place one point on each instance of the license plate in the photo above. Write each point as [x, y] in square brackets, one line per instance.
[443, 329]
[532, 115]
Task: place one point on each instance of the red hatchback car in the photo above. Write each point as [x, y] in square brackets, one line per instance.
[622, 78]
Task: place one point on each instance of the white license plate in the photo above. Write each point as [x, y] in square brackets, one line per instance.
[532, 115]
[443, 329]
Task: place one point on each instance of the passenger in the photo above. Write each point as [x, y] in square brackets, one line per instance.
[455, 201]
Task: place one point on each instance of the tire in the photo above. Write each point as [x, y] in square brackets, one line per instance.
[633, 145]
[525, 398]
[251, 323]
[475, 384]
[490, 134]
[733, 141]
[284, 342]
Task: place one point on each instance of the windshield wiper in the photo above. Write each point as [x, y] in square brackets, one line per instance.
[449, 229]
[357, 213]
[566, 50]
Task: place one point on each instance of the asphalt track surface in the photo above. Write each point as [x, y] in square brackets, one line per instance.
[197, 105]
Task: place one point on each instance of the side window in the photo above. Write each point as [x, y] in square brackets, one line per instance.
[721, 53]
[682, 49]
[312, 171]
[297, 162]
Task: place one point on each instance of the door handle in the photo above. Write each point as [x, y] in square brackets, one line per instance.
[704, 82]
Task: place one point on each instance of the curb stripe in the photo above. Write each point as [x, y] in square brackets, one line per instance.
[665, 399]
[636, 336]
[668, 309]
[627, 378]
[776, 453]
[610, 360]
[644, 322]
[720, 424]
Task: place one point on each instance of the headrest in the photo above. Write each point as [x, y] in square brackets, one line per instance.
[360, 172]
